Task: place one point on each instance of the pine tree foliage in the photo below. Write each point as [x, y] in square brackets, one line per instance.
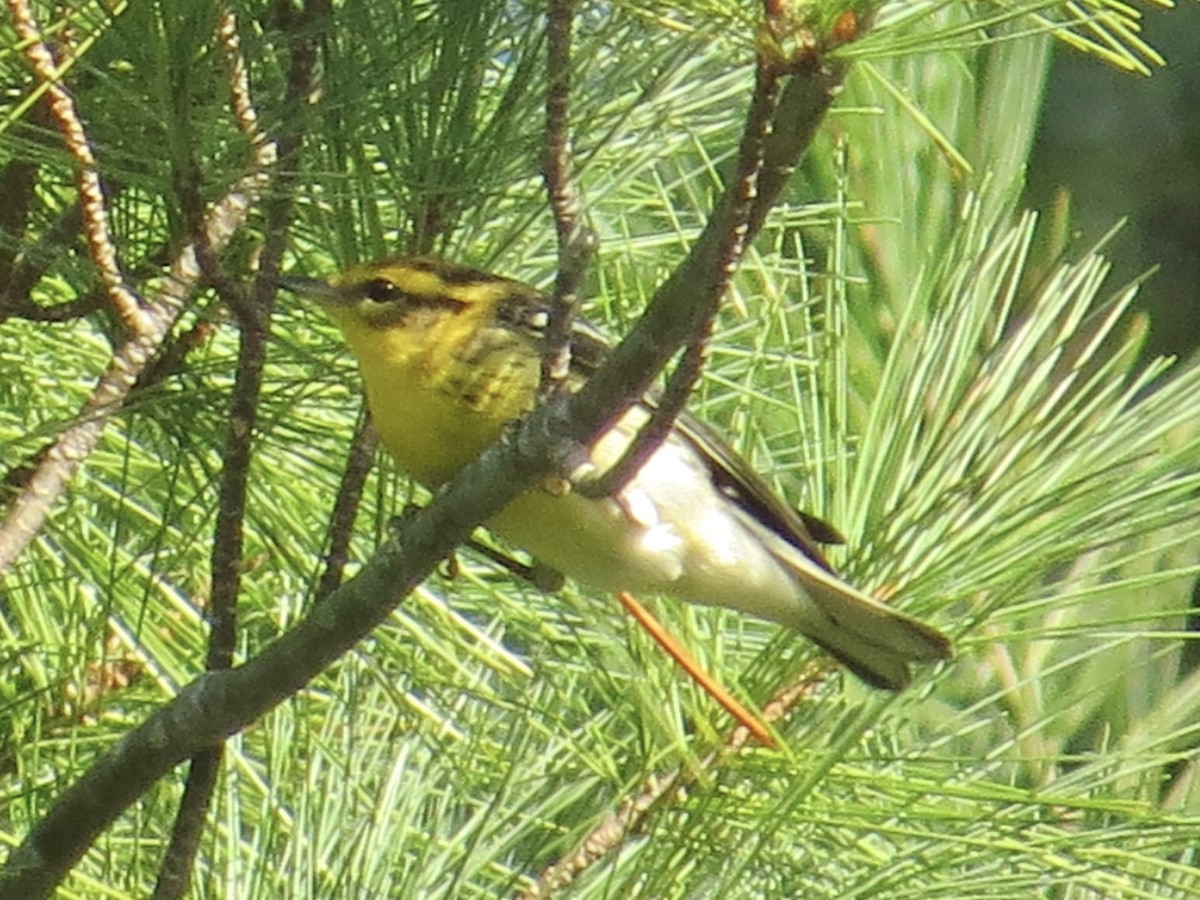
[905, 351]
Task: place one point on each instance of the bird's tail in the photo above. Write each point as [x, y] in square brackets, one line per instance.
[874, 641]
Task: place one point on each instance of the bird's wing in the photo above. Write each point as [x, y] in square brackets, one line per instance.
[731, 474]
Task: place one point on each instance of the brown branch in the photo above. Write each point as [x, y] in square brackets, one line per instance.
[29, 510]
[254, 319]
[174, 874]
[137, 319]
[345, 507]
[221, 703]
[175, 871]
[240, 101]
[576, 243]
[683, 303]
[739, 197]
[631, 814]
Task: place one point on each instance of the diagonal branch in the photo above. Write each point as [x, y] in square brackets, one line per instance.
[221, 703]
[345, 508]
[685, 301]
[46, 484]
[631, 814]
[738, 203]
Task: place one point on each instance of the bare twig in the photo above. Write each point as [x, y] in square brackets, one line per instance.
[137, 319]
[345, 508]
[739, 201]
[683, 303]
[240, 101]
[254, 321]
[630, 816]
[174, 874]
[221, 703]
[254, 318]
[576, 243]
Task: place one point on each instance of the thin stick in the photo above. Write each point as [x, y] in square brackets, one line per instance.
[137, 319]
[227, 553]
[576, 243]
[737, 209]
[688, 663]
[630, 816]
[345, 508]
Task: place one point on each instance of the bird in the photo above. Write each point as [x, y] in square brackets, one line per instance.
[451, 356]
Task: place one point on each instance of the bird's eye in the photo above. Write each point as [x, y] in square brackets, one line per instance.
[381, 291]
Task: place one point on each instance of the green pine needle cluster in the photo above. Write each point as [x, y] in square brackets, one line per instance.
[905, 351]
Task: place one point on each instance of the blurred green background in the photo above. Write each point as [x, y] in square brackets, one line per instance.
[1124, 145]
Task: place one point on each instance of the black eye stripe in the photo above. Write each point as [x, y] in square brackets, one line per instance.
[382, 290]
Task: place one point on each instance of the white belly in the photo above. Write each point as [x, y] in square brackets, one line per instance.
[669, 531]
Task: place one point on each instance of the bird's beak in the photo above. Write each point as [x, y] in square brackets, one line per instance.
[315, 288]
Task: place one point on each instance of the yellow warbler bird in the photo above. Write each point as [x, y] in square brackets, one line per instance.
[450, 356]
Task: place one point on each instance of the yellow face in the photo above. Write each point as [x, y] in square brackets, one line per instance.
[449, 356]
